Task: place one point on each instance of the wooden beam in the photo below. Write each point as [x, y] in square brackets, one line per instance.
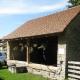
[28, 47]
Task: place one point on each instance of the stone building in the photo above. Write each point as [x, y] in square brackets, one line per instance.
[46, 44]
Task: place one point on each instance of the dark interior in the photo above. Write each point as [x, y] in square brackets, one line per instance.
[42, 55]
[48, 55]
[18, 53]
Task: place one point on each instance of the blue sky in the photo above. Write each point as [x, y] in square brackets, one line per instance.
[13, 13]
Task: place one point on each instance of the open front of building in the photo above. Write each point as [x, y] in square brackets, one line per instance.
[42, 50]
[44, 56]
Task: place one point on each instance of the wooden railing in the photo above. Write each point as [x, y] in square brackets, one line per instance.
[73, 70]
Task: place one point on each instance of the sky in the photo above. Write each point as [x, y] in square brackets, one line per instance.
[14, 13]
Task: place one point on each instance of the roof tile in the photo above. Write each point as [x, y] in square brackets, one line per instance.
[49, 24]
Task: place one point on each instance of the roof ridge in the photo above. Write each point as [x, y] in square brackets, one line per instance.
[53, 13]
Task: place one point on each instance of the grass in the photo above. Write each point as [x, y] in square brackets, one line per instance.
[6, 75]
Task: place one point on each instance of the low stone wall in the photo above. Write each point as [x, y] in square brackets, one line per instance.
[15, 66]
[44, 73]
[15, 69]
[52, 72]
[16, 62]
[12, 69]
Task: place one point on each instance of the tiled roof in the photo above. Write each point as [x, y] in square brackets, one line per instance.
[49, 24]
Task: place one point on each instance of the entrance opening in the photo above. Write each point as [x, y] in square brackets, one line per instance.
[46, 51]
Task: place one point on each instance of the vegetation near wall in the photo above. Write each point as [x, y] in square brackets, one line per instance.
[6, 75]
[73, 3]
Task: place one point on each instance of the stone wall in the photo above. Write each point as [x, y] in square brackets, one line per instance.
[73, 41]
[38, 69]
[44, 73]
[61, 57]
[52, 72]
[69, 45]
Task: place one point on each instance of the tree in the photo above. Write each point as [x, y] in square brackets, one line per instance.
[73, 3]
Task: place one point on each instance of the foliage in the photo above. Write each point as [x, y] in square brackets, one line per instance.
[73, 3]
[31, 49]
[43, 46]
[6, 75]
[20, 47]
[15, 48]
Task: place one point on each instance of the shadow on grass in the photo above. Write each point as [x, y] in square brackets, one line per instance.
[4, 67]
[1, 79]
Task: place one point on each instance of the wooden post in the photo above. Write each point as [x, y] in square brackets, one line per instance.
[28, 54]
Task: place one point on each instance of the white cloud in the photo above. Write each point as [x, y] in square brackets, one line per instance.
[50, 7]
[26, 7]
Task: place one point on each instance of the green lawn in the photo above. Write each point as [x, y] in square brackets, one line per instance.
[6, 75]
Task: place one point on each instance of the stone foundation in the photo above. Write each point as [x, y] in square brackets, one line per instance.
[52, 72]
[46, 74]
[15, 69]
